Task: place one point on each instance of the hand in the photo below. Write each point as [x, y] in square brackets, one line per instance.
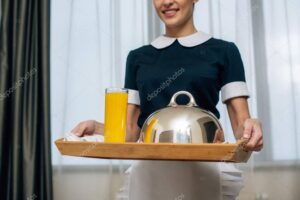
[85, 128]
[219, 136]
[253, 133]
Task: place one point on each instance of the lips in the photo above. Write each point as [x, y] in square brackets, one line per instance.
[170, 12]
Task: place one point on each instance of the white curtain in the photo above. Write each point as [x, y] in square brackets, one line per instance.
[91, 39]
[268, 36]
[282, 32]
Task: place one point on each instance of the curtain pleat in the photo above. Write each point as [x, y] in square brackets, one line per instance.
[25, 153]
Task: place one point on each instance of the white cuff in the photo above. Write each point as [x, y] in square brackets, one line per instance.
[234, 89]
[133, 97]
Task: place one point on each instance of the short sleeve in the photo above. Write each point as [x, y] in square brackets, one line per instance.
[130, 80]
[233, 82]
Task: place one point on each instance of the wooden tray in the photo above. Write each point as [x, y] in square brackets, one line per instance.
[165, 151]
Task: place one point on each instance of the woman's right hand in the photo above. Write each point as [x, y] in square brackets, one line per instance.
[91, 127]
[88, 127]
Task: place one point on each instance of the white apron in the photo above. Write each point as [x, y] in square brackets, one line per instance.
[175, 180]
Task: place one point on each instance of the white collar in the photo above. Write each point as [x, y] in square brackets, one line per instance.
[186, 41]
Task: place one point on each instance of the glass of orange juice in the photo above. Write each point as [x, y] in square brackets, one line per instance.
[115, 114]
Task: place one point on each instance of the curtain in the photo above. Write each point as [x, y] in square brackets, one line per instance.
[25, 153]
[282, 44]
[89, 45]
[90, 41]
[267, 35]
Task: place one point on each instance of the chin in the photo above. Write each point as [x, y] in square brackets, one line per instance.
[172, 23]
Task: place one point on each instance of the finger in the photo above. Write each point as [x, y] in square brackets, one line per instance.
[255, 141]
[255, 128]
[260, 142]
[74, 130]
[79, 130]
[247, 129]
[252, 143]
[219, 136]
[259, 147]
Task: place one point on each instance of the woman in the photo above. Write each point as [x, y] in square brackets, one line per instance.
[203, 66]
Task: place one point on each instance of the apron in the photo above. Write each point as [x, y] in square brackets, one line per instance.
[175, 180]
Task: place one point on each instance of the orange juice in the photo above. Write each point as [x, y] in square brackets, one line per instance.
[115, 115]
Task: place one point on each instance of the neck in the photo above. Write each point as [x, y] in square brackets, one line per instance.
[181, 31]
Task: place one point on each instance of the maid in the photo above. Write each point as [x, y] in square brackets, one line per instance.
[184, 59]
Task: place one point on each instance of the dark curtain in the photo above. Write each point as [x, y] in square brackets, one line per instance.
[25, 153]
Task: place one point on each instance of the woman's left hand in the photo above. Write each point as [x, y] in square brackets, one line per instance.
[253, 133]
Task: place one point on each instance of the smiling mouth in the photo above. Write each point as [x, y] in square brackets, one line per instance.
[170, 12]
